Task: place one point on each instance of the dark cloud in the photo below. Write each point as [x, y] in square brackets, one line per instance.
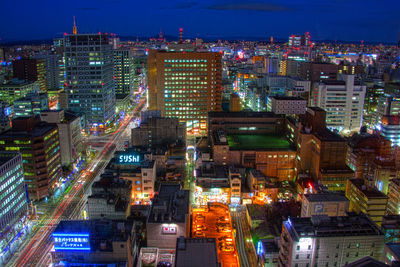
[88, 8]
[264, 7]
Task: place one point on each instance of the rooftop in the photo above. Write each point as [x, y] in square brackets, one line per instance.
[328, 135]
[294, 98]
[257, 141]
[7, 156]
[325, 197]
[171, 204]
[368, 191]
[101, 232]
[366, 262]
[39, 130]
[240, 114]
[196, 252]
[325, 226]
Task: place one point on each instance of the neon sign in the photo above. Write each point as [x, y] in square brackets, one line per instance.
[129, 159]
[76, 241]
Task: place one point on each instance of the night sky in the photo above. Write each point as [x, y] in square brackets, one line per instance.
[346, 20]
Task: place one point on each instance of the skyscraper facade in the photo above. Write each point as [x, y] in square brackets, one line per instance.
[31, 70]
[343, 101]
[185, 85]
[14, 205]
[123, 71]
[89, 77]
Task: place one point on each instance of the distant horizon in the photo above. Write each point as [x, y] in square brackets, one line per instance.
[172, 38]
[348, 21]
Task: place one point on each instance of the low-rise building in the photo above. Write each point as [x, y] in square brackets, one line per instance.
[212, 184]
[271, 154]
[263, 188]
[110, 198]
[196, 252]
[329, 241]
[330, 204]
[69, 128]
[32, 104]
[90, 242]
[132, 166]
[366, 199]
[157, 130]
[169, 216]
[15, 89]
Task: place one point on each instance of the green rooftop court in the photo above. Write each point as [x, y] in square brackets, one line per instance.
[257, 141]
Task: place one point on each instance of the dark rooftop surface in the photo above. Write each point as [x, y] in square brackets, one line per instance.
[369, 192]
[244, 114]
[196, 252]
[39, 130]
[328, 135]
[6, 156]
[325, 197]
[171, 204]
[294, 98]
[366, 262]
[325, 226]
[100, 231]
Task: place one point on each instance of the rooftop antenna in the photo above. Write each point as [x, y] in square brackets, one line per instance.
[74, 30]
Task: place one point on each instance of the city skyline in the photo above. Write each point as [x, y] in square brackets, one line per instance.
[350, 21]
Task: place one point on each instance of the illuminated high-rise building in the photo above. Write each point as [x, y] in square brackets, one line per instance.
[185, 85]
[38, 142]
[31, 70]
[123, 71]
[14, 205]
[89, 77]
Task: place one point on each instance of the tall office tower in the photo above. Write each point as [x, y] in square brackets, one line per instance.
[343, 101]
[39, 146]
[89, 77]
[31, 70]
[123, 71]
[329, 241]
[185, 85]
[14, 205]
[52, 70]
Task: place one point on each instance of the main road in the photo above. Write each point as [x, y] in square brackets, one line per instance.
[36, 251]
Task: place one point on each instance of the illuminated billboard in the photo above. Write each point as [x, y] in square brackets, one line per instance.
[129, 158]
[78, 241]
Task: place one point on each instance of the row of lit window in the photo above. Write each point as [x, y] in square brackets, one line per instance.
[185, 60]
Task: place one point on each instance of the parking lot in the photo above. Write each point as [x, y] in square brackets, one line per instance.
[214, 221]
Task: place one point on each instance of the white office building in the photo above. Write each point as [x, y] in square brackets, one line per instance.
[343, 101]
[329, 241]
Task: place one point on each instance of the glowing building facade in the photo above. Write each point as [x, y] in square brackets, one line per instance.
[185, 85]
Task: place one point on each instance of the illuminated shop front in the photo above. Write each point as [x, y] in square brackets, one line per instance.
[205, 195]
